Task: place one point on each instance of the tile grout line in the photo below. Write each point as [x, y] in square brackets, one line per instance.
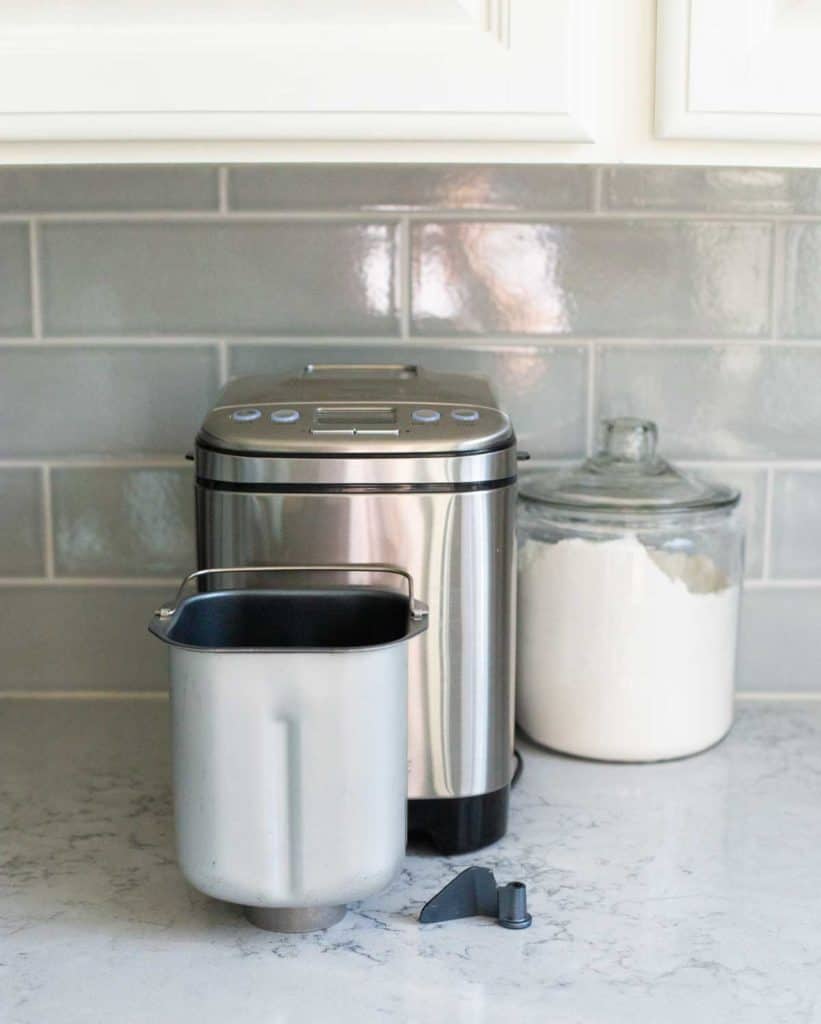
[694, 462]
[477, 341]
[222, 362]
[404, 279]
[775, 696]
[34, 279]
[95, 462]
[459, 341]
[222, 189]
[590, 412]
[393, 214]
[785, 696]
[114, 341]
[598, 185]
[48, 522]
[776, 280]
[782, 583]
[767, 541]
[66, 582]
[208, 215]
[534, 215]
[87, 695]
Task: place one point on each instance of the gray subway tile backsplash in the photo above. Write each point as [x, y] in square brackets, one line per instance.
[214, 277]
[103, 399]
[81, 638]
[123, 522]
[581, 292]
[780, 644]
[753, 190]
[15, 286]
[796, 526]
[409, 187]
[21, 522]
[718, 401]
[604, 278]
[542, 388]
[801, 288]
[95, 189]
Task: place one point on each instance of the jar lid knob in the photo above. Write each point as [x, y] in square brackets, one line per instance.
[629, 440]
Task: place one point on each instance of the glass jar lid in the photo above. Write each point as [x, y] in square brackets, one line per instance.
[626, 475]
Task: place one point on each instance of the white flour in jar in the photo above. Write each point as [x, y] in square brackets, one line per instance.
[624, 653]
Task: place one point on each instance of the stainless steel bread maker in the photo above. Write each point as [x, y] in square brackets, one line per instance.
[390, 464]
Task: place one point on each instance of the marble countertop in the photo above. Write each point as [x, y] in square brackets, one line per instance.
[680, 892]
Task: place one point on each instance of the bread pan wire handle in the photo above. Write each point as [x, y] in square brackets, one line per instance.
[417, 609]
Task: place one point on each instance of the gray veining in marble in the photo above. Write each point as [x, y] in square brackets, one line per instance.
[681, 893]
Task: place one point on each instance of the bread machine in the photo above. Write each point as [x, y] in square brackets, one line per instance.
[389, 464]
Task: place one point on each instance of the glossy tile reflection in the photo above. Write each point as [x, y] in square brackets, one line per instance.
[411, 186]
[76, 637]
[796, 524]
[15, 287]
[691, 278]
[470, 278]
[764, 190]
[801, 311]
[191, 278]
[61, 189]
[123, 522]
[21, 522]
[75, 400]
[731, 401]
[780, 642]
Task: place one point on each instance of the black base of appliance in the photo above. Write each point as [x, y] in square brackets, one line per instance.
[460, 824]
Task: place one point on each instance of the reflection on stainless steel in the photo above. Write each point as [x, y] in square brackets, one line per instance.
[456, 547]
[464, 469]
[436, 497]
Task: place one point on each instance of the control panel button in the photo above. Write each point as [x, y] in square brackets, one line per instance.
[465, 415]
[285, 415]
[425, 416]
[245, 415]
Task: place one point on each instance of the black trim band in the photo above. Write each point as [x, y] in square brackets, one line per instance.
[460, 824]
[268, 488]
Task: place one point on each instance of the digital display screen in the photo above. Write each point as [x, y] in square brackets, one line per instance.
[356, 416]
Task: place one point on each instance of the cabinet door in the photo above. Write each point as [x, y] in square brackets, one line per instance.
[297, 69]
[739, 69]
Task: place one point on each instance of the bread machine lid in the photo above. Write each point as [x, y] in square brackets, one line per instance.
[356, 410]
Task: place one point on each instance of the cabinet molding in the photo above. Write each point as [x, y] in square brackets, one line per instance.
[739, 70]
[298, 69]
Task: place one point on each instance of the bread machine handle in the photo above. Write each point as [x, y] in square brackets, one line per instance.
[418, 610]
[399, 370]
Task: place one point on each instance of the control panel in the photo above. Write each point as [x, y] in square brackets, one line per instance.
[352, 427]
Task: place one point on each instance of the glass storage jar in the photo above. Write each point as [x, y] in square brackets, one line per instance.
[629, 581]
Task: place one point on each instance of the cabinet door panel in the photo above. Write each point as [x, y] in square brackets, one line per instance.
[298, 69]
[739, 69]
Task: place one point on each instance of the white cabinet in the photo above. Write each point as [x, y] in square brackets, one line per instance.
[739, 69]
[584, 81]
[297, 69]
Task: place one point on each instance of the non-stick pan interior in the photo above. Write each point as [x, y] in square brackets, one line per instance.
[281, 619]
